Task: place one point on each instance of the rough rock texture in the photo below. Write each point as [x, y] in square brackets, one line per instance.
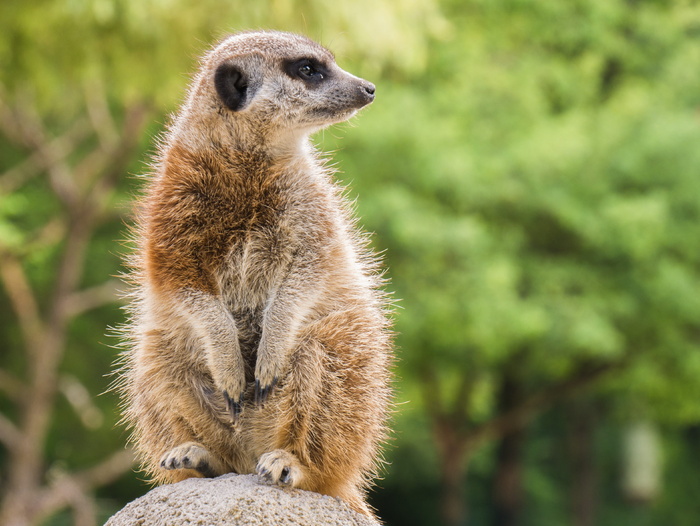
[235, 500]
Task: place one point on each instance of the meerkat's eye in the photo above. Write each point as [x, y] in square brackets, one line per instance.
[309, 70]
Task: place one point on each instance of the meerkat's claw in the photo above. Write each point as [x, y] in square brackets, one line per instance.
[286, 475]
[262, 393]
[280, 467]
[234, 408]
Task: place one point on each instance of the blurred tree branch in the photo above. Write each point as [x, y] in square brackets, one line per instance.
[22, 124]
[21, 296]
[536, 402]
[99, 114]
[83, 166]
[73, 490]
[93, 297]
[31, 166]
[9, 434]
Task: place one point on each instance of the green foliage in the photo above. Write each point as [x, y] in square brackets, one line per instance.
[536, 191]
[541, 196]
[529, 166]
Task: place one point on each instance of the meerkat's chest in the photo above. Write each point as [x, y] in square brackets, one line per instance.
[261, 252]
[250, 270]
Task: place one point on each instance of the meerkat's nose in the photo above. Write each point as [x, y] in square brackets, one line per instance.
[367, 90]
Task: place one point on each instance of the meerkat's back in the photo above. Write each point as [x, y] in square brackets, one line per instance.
[259, 337]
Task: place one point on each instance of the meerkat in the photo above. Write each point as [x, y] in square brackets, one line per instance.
[259, 338]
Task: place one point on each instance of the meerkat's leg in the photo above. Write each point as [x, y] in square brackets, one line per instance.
[157, 403]
[331, 408]
[280, 327]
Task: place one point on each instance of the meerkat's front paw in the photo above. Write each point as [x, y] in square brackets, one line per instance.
[232, 387]
[262, 393]
[280, 467]
[268, 371]
[234, 408]
[191, 455]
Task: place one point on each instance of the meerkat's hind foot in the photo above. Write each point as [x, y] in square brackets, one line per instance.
[280, 467]
[194, 456]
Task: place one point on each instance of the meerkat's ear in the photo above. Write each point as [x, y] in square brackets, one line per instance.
[235, 84]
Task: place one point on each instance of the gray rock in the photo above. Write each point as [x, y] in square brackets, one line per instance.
[235, 500]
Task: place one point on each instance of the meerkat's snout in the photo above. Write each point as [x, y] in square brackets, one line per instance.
[342, 96]
[367, 90]
[353, 91]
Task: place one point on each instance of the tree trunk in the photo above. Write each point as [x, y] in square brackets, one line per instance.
[453, 464]
[507, 491]
[584, 495]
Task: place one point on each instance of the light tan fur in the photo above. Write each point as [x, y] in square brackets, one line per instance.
[259, 339]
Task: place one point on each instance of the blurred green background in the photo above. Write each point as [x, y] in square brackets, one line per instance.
[531, 169]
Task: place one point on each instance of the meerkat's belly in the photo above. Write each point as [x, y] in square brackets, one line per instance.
[247, 280]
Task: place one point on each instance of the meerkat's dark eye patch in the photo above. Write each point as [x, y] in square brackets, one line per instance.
[309, 70]
[231, 85]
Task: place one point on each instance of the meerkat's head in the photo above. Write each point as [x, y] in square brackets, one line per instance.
[281, 84]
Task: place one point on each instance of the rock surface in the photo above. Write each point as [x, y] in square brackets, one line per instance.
[235, 500]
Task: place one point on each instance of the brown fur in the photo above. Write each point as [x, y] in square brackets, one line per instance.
[249, 269]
